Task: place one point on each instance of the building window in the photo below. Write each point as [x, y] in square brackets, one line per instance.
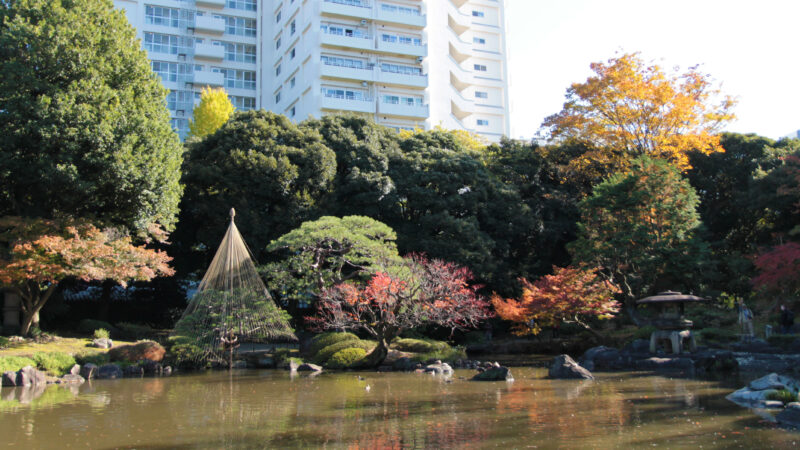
[278, 43]
[479, 67]
[399, 68]
[483, 123]
[400, 9]
[159, 15]
[293, 27]
[292, 82]
[278, 70]
[343, 62]
[238, 79]
[477, 13]
[402, 100]
[243, 103]
[239, 26]
[292, 53]
[343, 31]
[246, 5]
[277, 98]
[240, 52]
[169, 71]
[278, 17]
[407, 40]
[292, 111]
[347, 94]
[161, 43]
[481, 94]
[477, 40]
[180, 100]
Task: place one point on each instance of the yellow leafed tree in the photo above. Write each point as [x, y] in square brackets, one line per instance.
[629, 108]
[214, 110]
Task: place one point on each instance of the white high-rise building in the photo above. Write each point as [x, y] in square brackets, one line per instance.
[406, 63]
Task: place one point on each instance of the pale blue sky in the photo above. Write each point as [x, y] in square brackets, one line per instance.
[751, 47]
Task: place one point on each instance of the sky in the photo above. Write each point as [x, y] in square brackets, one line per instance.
[751, 48]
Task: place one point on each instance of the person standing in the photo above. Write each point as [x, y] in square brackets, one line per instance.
[745, 320]
[786, 320]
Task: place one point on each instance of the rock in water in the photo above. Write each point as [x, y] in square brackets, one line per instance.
[564, 367]
[109, 371]
[9, 379]
[790, 416]
[72, 378]
[75, 370]
[494, 374]
[774, 381]
[439, 368]
[308, 367]
[88, 371]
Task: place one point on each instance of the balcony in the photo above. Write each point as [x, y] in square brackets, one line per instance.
[403, 110]
[209, 24]
[402, 18]
[348, 8]
[353, 73]
[403, 49]
[402, 79]
[337, 40]
[210, 3]
[209, 79]
[348, 104]
[209, 52]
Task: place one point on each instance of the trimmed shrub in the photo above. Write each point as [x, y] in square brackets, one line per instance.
[101, 333]
[96, 358]
[134, 331]
[89, 325]
[14, 363]
[783, 395]
[54, 363]
[323, 340]
[448, 355]
[419, 345]
[347, 358]
[324, 355]
[141, 350]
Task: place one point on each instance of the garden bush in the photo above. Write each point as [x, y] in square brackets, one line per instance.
[141, 350]
[4, 342]
[419, 345]
[347, 358]
[101, 333]
[643, 332]
[133, 331]
[96, 358]
[89, 325]
[717, 335]
[448, 355]
[783, 395]
[54, 363]
[324, 355]
[323, 340]
[14, 363]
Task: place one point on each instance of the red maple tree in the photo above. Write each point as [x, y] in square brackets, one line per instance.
[778, 268]
[421, 291]
[570, 294]
[39, 253]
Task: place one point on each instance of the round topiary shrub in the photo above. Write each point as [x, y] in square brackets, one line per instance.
[419, 345]
[326, 353]
[323, 340]
[141, 350]
[347, 358]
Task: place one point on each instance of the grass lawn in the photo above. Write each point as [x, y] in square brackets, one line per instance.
[72, 346]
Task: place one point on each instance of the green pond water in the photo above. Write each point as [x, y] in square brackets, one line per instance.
[272, 409]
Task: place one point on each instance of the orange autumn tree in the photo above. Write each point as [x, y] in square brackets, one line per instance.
[629, 109]
[36, 254]
[569, 295]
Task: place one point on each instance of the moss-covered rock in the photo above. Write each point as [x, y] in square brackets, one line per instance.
[326, 353]
[141, 350]
[323, 340]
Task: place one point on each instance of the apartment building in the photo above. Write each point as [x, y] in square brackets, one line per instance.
[406, 63]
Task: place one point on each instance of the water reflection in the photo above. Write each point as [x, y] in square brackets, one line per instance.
[276, 409]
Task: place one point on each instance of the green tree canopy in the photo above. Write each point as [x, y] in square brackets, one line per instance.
[84, 121]
[328, 251]
[272, 171]
[640, 228]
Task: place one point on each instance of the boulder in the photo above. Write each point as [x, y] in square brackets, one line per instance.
[75, 370]
[600, 358]
[88, 371]
[109, 371]
[136, 352]
[292, 365]
[103, 343]
[404, 364]
[748, 397]
[72, 378]
[721, 362]
[790, 416]
[33, 375]
[494, 374]
[239, 364]
[774, 381]
[308, 367]
[133, 371]
[151, 367]
[564, 367]
[10, 379]
[439, 368]
[167, 371]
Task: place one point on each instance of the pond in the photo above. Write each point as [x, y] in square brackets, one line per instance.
[271, 408]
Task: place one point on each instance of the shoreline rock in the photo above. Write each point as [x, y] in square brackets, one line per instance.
[564, 367]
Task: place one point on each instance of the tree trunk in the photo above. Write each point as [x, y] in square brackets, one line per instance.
[378, 354]
[104, 312]
[30, 318]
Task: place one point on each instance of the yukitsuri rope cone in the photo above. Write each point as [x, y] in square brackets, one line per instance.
[231, 306]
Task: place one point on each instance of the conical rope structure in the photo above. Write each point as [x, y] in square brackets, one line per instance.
[232, 305]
